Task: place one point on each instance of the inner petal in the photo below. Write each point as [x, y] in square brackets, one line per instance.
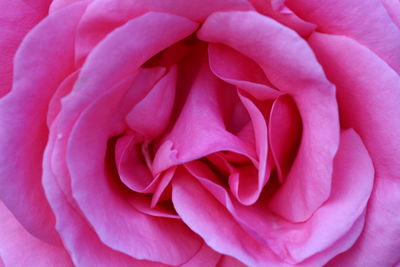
[284, 133]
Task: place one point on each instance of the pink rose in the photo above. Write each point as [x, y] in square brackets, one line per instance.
[200, 133]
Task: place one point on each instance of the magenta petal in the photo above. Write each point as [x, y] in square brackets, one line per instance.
[131, 164]
[19, 248]
[87, 149]
[98, 13]
[284, 133]
[206, 256]
[151, 115]
[393, 8]
[367, 22]
[369, 103]
[23, 120]
[227, 261]
[17, 18]
[85, 158]
[295, 71]
[239, 70]
[208, 218]
[353, 177]
[261, 142]
[198, 134]
[277, 10]
[82, 243]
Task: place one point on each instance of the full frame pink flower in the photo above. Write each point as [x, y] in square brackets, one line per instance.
[199, 133]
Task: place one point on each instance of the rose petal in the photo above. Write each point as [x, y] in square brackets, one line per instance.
[227, 261]
[62, 90]
[84, 246]
[238, 70]
[367, 22]
[352, 180]
[277, 10]
[151, 115]
[17, 18]
[261, 140]
[198, 134]
[393, 8]
[205, 257]
[284, 133]
[132, 167]
[323, 235]
[370, 104]
[296, 71]
[87, 149]
[23, 118]
[111, 14]
[19, 248]
[205, 216]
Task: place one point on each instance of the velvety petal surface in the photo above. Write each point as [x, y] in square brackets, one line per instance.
[39, 69]
[111, 14]
[367, 22]
[200, 129]
[370, 104]
[290, 65]
[237, 69]
[19, 248]
[83, 244]
[207, 217]
[117, 223]
[17, 18]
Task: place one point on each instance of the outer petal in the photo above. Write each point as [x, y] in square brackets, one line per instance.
[117, 223]
[111, 14]
[17, 18]
[18, 248]
[365, 21]
[84, 246]
[393, 8]
[23, 118]
[290, 65]
[370, 104]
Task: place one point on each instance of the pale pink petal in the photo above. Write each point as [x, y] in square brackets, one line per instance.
[367, 22]
[23, 118]
[17, 18]
[369, 104]
[208, 218]
[296, 71]
[18, 248]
